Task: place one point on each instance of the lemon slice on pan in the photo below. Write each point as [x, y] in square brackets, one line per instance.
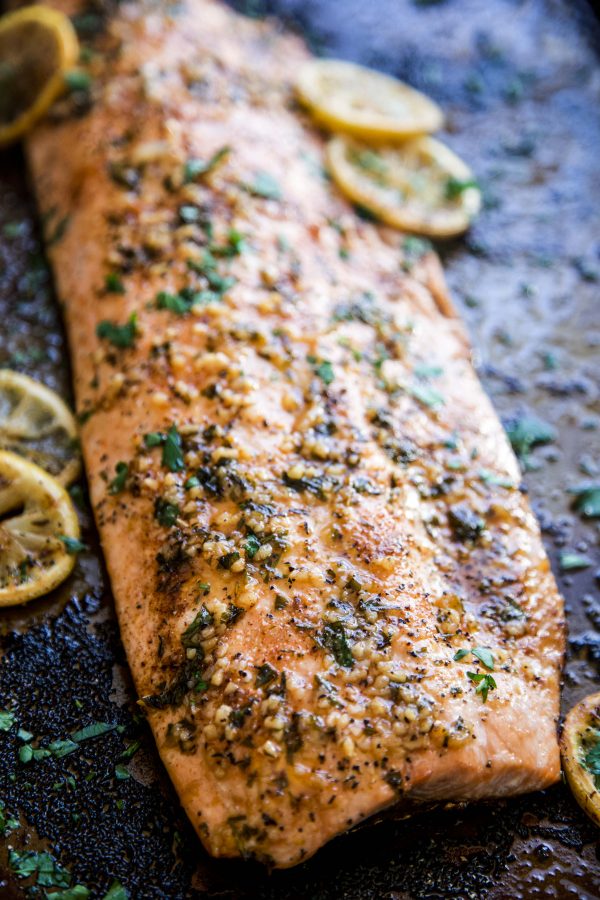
[348, 97]
[38, 528]
[419, 185]
[37, 424]
[37, 46]
[580, 748]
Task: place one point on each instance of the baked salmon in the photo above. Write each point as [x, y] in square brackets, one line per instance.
[332, 593]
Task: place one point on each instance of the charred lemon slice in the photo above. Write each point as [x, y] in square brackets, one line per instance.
[348, 97]
[580, 749]
[38, 529]
[37, 46]
[419, 185]
[36, 423]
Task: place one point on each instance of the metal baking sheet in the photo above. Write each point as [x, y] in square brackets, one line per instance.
[520, 81]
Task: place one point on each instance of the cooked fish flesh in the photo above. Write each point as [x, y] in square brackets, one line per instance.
[332, 593]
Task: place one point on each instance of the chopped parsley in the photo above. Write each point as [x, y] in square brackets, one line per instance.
[172, 455]
[252, 546]
[195, 168]
[265, 675]
[587, 500]
[7, 719]
[323, 369]
[165, 513]
[591, 761]
[95, 729]
[59, 748]
[233, 247]
[154, 439]
[333, 638]
[483, 654]
[72, 545]
[203, 619]
[414, 249]
[455, 187]
[174, 302]
[77, 892]
[526, 432]
[113, 284]
[466, 525]
[264, 185]
[7, 823]
[131, 750]
[569, 562]
[39, 865]
[76, 80]
[492, 478]
[485, 684]
[116, 892]
[426, 395]
[121, 336]
[118, 482]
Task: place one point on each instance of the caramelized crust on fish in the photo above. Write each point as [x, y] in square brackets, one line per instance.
[332, 593]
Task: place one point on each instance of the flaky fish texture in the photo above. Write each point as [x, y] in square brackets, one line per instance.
[332, 594]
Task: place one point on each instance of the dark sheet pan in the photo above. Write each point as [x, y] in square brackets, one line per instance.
[520, 81]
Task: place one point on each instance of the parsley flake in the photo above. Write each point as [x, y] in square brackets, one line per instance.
[485, 684]
[196, 169]
[113, 284]
[172, 455]
[572, 561]
[7, 719]
[120, 336]
[118, 482]
[333, 638]
[587, 500]
[265, 186]
[72, 545]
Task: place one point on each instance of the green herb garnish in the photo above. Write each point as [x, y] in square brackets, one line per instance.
[455, 187]
[571, 561]
[587, 500]
[76, 80]
[73, 545]
[252, 546]
[333, 638]
[172, 455]
[94, 730]
[165, 513]
[483, 654]
[113, 284]
[265, 675]
[7, 719]
[118, 482]
[198, 168]
[121, 336]
[526, 432]
[264, 185]
[485, 684]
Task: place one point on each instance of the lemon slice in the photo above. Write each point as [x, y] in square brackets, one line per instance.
[419, 185]
[36, 423]
[348, 97]
[580, 748]
[37, 46]
[38, 527]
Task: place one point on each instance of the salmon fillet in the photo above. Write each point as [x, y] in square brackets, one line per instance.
[332, 593]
